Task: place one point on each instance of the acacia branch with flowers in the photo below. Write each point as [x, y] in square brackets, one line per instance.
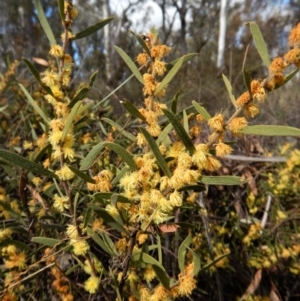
[115, 214]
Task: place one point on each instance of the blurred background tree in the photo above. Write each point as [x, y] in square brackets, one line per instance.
[188, 26]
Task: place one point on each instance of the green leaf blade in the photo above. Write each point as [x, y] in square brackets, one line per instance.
[169, 76]
[260, 43]
[229, 90]
[131, 65]
[26, 164]
[201, 110]
[34, 104]
[92, 29]
[159, 157]
[179, 129]
[271, 130]
[44, 22]
[221, 180]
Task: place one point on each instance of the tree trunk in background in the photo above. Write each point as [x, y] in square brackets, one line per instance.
[107, 40]
[222, 35]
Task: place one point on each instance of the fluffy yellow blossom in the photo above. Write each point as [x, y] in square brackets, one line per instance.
[277, 66]
[216, 123]
[65, 173]
[91, 285]
[251, 110]
[80, 246]
[72, 231]
[142, 58]
[159, 294]
[237, 124]
[50, 78]
[293, 57]
[56, 51]
[159, 67]
[112, 210]
[243, 99]
[149, 273]
[61, 203]
[223, 149]
[294, 36]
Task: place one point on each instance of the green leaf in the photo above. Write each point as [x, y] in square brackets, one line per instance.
[2, 109]
[83, 91]
[174, 102]
[187, 57]
[100, 196]
[99, 241]
[141, 42]
[185, 121]
[87, 217]
[159, 157]
[119, 128]
[120, 175]
[229, 89]
[163, 136]
[42, 152]
[61, 7]
[169, 76]
[115, 198]
[90, 30]
[94, 153]
[221, 180]
[290, 76]
[158, 268]
[132, 109]
[246, 77]
[259, 43]
[107, 240]
[37, 76]
[197, 263]
[82, 175]
[102, 213]
[212, 263]
[182, 251]
[34, 104]
[201, 110]
[46, 27]
[271, 130]
[26, 164]
[50, 242]
[162, 276]
[199, 187]
[182, 134]
[131, 65]
[69, 120]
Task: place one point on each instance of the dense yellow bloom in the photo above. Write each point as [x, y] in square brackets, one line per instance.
[56, 51]
[237, 124]
[243, 99]
[277, 66]
[142, 58]
[61, 203]
[294, 37]
[80, 246]
[16, 261]
[159, 67]
[65, 173]
[293, 57]
[216, 123]
[4, 234]
[91, 285]
[251, 110]
[72, 232]
[159, 294]
[50, 78]
[150, 84]
[223, 149]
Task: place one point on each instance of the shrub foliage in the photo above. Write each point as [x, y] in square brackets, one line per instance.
[143, 207]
